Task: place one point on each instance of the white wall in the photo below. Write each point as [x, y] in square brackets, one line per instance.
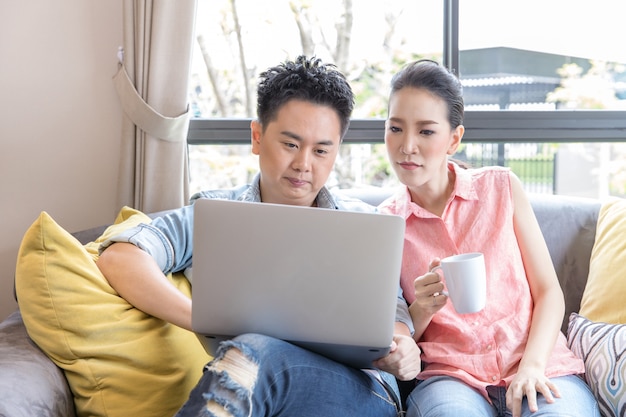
[60, 120]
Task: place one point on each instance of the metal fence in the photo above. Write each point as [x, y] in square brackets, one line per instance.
[533, 163]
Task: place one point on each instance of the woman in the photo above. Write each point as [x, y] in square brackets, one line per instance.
[510, 358]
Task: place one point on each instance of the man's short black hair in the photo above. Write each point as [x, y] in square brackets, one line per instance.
[307, 79]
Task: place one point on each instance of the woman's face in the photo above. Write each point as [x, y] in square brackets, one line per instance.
[419, 138]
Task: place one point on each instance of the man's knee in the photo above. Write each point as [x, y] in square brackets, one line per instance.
[233, 364]
[236, 374]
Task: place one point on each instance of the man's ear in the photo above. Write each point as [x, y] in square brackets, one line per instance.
[457, 135]
[256, 131]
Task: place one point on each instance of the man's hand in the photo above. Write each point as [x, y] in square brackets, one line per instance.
[403, 361]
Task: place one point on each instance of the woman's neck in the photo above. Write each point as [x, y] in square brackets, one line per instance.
[434, 198]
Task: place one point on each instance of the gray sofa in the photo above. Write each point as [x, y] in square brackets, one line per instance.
[32, 385]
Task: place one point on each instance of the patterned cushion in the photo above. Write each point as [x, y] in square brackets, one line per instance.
[602, 347]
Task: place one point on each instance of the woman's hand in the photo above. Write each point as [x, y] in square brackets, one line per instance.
[429, 294]
[429, 299]
[527, 383]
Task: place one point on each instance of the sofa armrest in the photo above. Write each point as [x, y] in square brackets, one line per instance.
[30, 383]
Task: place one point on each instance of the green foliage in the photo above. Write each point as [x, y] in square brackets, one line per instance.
[535, 170]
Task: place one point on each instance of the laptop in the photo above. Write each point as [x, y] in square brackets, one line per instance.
[323, 279]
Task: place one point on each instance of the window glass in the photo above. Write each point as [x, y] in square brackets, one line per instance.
[547, 55]
[542, 55]
[534, 56]
[236, 40]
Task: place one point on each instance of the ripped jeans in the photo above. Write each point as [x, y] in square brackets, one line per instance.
[256, 375]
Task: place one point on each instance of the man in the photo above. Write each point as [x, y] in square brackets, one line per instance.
[303, 110]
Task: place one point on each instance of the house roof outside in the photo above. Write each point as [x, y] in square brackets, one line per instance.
[505, 76]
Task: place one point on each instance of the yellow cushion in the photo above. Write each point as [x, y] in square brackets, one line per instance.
[604, 295]
[118, 361]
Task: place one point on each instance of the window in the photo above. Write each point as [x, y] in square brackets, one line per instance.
[236, 40]
[525, 66]
[532, 71]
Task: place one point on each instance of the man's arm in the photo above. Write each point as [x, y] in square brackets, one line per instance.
[137, 278]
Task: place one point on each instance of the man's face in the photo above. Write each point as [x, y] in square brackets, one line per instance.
[296, 152]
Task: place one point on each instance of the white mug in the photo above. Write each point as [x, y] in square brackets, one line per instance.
[466, 281]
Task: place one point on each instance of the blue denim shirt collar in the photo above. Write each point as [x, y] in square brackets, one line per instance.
[252, 193]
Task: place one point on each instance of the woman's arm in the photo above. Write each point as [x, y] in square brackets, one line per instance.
[548, 302]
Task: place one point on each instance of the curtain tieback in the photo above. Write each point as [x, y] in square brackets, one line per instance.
[172, 129]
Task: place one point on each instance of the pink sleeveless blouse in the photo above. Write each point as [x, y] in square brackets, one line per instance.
[482, 348]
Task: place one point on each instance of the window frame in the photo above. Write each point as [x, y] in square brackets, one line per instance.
[552, 126]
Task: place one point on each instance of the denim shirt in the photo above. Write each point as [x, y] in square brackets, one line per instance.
[169, 238]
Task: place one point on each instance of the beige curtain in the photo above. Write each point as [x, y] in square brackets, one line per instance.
[152, 86]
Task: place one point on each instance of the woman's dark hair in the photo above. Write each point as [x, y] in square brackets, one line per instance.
[431, 76]
[306, 79]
